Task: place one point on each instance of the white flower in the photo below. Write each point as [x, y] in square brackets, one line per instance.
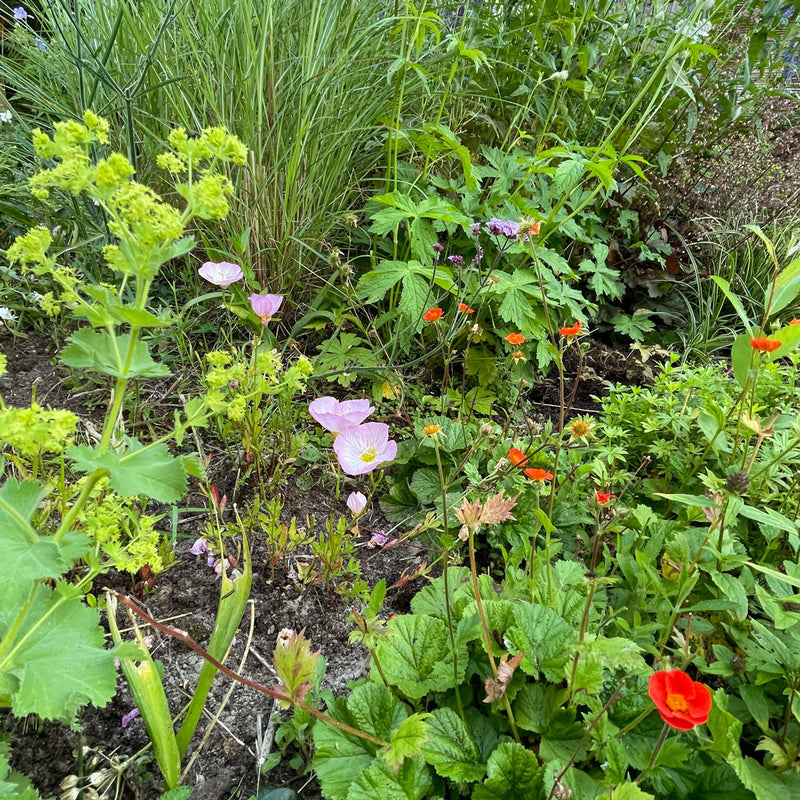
[7, 314]
[5, 116]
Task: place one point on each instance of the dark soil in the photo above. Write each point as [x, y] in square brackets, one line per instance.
[186, 596]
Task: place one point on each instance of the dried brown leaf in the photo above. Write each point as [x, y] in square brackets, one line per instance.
[497, 509]
[469, 514]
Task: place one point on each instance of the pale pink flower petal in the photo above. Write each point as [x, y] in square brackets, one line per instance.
[265, 306]
[221, 273]
[356, 502]
[335, 416]
[362, 448]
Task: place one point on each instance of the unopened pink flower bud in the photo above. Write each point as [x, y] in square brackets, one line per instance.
[356, 502]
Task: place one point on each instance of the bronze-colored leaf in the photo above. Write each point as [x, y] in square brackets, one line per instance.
[497, 509]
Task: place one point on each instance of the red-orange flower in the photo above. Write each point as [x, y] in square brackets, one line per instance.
[794, 321]
[536, 474]
[516, 456]
[765, 345]
[515, 338]
[603, 498]
[682, 702]
[432, 314]
[573, 330]
[465, 309]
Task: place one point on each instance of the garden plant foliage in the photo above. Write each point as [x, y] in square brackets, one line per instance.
[459, 205]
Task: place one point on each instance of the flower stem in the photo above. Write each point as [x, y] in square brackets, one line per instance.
[656, 750]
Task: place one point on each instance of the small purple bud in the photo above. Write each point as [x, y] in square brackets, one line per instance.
[476, 228]
[456, 261]
[439, 248]
[379, 539]
[130, 717]
[210, 561]
[199, 547]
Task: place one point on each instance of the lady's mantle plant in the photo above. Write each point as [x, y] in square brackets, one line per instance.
[52, 658]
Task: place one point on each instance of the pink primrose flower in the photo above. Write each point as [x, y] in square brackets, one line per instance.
[335, 416]
[265, 306]
[356, 502]
[362, 448]
[221, 273]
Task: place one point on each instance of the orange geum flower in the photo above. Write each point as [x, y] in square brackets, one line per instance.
[765, 345]
[603, 498]
[515, 338]
[572, 330]
[536, 474]
[682, 702]
[794, 321]
[432, 429]
[516, 456]
[432, 314]
[465, 309]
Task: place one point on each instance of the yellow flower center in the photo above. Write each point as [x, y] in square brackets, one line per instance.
[431, 430]
[369, 455]
[677, 702]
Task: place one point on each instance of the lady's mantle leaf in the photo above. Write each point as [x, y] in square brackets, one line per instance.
[513, 772]
[136, 470]
[24, 554]
[62, 665]
[451, 748]
[418, 659]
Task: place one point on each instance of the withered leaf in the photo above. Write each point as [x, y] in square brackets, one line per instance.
[497, 509]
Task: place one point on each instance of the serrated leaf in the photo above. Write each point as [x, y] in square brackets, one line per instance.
[406, 740]
[101, 351]
[568, 173]
[25, 555]
[513, 771]
[180, 793]
[545, 636]
[340, 757]
[59, 662]
[418, 659]
[415, 298]
[411, 782]
[135, 469]
[374, 285]
[630, 791]
[764, 783]
[520, 292]
[295, 665]
[451, 749]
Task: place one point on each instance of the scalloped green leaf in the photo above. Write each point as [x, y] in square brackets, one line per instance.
[135, 469]
[59, 662]
[99, 350]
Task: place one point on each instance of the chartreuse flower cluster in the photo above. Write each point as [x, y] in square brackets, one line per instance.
[234, 387]
[36, 430]
[149, 229]
[116, 527]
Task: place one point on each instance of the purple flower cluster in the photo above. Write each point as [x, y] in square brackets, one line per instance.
[507, 228]
[456, 261]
